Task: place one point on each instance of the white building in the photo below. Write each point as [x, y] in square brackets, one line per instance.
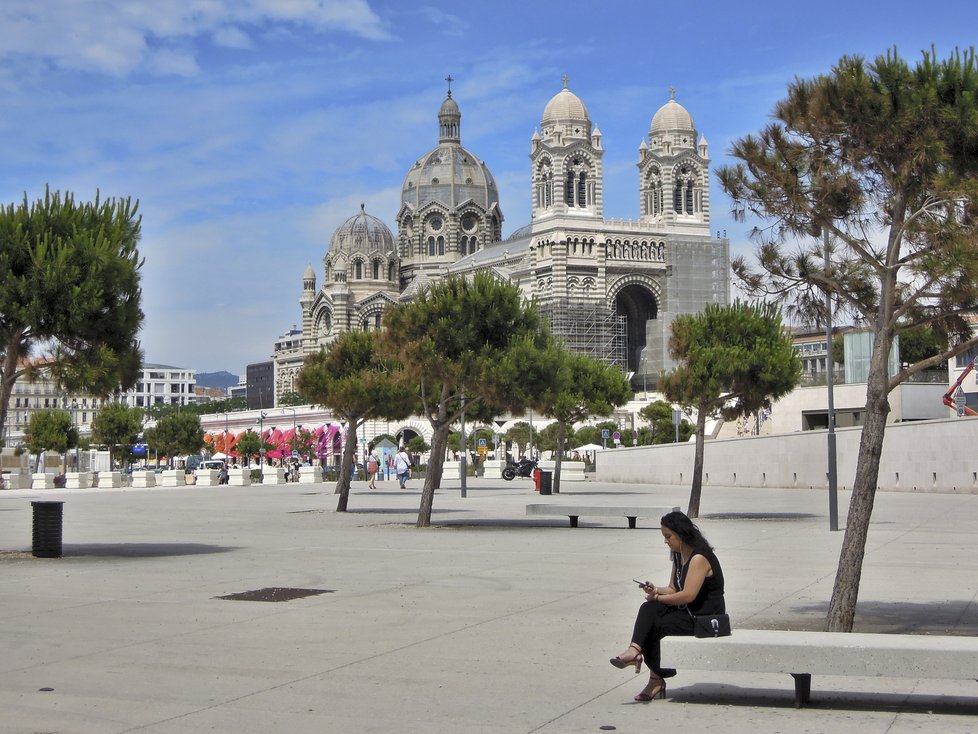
[161, 384]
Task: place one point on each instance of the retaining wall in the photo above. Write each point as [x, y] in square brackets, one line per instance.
[919, 456]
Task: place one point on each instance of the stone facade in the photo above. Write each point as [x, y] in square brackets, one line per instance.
[609, 288]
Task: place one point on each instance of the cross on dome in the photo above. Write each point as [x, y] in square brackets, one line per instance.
[672, 93]
[449, 79]
[566, 80]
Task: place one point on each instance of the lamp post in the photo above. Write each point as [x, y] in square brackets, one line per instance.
[463, 464]
[261, 440]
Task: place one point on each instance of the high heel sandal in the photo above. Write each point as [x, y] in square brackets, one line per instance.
[636, 661]
[657, 691]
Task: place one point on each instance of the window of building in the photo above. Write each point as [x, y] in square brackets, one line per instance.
[358, 270]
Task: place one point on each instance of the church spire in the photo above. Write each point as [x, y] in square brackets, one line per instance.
[449, 118]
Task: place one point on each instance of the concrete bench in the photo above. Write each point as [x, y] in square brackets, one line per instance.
[575, 511]
[803, 654]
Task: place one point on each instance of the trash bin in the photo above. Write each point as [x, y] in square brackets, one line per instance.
[536, 479]
[546, 482]
[48, 522]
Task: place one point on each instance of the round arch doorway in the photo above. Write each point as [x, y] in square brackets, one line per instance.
[639, 306]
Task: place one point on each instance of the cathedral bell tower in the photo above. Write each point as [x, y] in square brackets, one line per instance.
[565, 155]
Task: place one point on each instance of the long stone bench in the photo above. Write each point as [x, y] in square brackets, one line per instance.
[575, 511]
[803, 654]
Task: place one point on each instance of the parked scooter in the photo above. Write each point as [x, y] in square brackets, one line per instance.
[524, 468]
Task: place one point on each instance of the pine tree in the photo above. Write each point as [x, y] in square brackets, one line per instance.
[874, 167]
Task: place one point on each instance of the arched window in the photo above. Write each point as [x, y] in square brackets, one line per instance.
[472, 245]
[689, 197]
[376, 270]
[463, 245]
[441, 245]
[390, 271]
[431, 247]
[358, 270]
[582, 189]
[569, 190]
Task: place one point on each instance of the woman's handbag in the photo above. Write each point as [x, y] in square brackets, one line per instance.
[711, 625]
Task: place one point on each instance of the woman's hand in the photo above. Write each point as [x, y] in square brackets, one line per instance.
[650, 590]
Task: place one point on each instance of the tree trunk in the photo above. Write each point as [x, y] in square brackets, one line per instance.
[439, 443]
[697, 489]
[8, 376]
[346, 464]
[842, 607]
[558, 459]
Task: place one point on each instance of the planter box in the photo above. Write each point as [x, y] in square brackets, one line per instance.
[109, 479]
[42, 480]
[173, 478]
[450, 470]
[310, 474]
[272, 475]
[143, 479]
[493, 468]
[78, 480]
[207, 477]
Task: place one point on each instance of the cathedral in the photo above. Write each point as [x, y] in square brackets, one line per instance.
[609, 288]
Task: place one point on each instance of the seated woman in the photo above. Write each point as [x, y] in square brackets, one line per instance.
[696, 587]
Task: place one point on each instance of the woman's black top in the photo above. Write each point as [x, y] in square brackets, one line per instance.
[710, 598]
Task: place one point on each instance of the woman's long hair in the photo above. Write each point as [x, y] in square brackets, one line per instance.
[686, 531]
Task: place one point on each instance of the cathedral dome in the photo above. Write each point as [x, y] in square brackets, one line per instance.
[565, 107]
[362, 233]
[449, 174]
[671, 117]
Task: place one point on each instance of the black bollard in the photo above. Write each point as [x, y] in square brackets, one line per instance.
[48, 523]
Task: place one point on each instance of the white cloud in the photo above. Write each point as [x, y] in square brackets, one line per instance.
[107, 37]
[231, 37]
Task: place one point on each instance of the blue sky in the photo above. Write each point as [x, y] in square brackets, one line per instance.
[250, 129]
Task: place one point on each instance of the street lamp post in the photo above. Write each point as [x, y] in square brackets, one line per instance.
[261, 440]
[463, 464]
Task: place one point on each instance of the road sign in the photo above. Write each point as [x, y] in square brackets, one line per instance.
[605, 433]
[482, 443]
[677, 417]
[616, 435]
[295, 454]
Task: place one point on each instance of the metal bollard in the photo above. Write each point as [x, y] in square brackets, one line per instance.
[47, 529]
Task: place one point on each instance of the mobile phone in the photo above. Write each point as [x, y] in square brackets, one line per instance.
[640, 583]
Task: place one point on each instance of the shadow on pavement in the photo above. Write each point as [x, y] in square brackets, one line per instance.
[953, 617]
[826, 699]
[141, 550]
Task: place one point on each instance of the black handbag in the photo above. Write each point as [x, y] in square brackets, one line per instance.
[711, 625]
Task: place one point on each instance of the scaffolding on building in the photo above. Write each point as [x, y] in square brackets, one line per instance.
[588, 327]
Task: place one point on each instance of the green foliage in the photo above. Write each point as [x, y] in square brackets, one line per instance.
[519, 433]
[291, 398]
[69, 286]
[882, 159]
[117, 425]
[546, 438]
[478, 339]
[249, 446]
[417, 445]
[920, 343]
[213, 407]
[733, 360]
[659, 415]
[358, 383]
[179, 433]
[304, 442]
[50, 430]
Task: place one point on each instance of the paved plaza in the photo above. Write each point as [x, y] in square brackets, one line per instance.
[489, 621]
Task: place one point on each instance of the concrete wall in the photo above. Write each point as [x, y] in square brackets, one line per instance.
[921, 456]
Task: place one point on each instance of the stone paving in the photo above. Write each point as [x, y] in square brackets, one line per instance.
[489, 621]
